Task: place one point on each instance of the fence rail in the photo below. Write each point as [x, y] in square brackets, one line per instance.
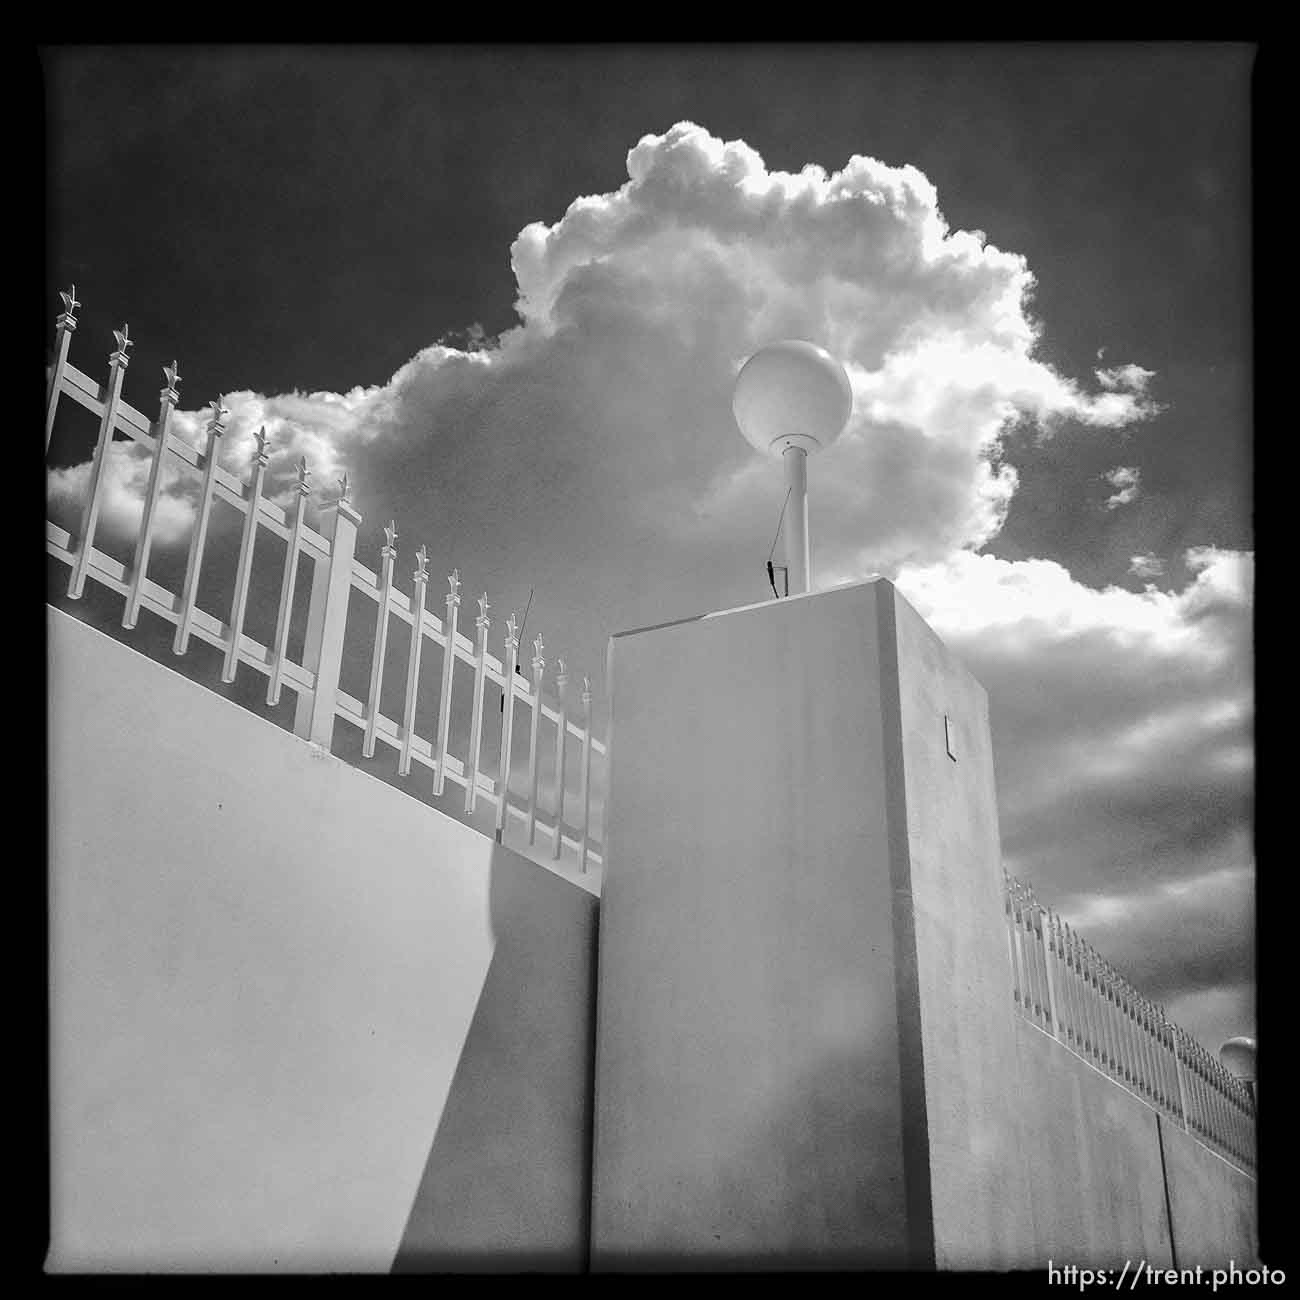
[336, 575]
[1065, 987]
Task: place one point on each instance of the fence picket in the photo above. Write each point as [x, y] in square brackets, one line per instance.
[327, 616]
[1107, 995]
[561, 734]
[199, 537]
[1087, 1039]
[1017, 939]
[481, 625]
[1049, 956]
[585, 787]
[421, 579]
[90, 509]
[448, 676]
[167, 400]
[539, 666]
[64, 326]
[1116, 1017]
[380, 648]
[244, 566]
[507, 725]
[287, 583]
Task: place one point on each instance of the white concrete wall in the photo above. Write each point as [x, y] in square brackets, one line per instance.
[748, 1088]
[782, 790]
[1111, 1180]
[280, 989]
[1213, 1205]
[978, 1190]
[807, 1052]
[1091, 1157]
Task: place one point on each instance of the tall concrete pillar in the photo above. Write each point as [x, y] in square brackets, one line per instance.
[805, 1047]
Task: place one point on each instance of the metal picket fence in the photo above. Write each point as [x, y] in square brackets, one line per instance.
[1065, 987]
[336, 575]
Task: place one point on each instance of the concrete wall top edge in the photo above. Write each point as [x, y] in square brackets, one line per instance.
[745, 609]
[197, 690]
[926, 631]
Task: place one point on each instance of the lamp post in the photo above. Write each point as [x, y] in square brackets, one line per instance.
[791, 400]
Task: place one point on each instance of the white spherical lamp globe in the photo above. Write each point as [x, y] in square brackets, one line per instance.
[792, 394]
[1237, 1056]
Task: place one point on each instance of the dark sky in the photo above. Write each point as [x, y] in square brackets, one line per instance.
[310, 219]
[316, 216]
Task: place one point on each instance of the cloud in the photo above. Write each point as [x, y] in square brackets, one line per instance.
[1127, 481]
[1122, 727]
[1146, 566]
[590, 452]
[1130, 378]
[636, 309]
[125, 479]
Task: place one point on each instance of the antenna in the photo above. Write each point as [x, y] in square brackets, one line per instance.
[785, 568]
[519, 667]
[523, 625]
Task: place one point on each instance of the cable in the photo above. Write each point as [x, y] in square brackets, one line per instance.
[519, 670]
[524, 624]
[771, 571]
[779, 522]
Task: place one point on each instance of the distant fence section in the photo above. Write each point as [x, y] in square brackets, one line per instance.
[1065, 987]
[552, 720]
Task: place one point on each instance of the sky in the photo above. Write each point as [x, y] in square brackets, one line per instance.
[507, 291]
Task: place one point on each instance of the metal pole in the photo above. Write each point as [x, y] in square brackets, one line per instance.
[798, 556]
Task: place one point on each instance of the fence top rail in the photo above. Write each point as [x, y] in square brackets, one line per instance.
[1021, 901]
[229, 487]
[399, 603]
[105, 399]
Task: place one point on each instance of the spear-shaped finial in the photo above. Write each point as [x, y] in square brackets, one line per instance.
[172, 375]
[586, 690]
[303, 475]
[344, 486]
[512, 630]
[422, 560]
[453, 584]
[219, 412]
[483, 607]
[390, 535]
[124, 341]
[561, 673]
[262, 440]
[69, 296]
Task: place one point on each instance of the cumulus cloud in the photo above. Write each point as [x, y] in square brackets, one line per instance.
[126, 476]
[1127, 483]
[636, 309]
[590, 452]
[1122, 725]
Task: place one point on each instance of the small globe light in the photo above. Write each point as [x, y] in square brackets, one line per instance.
[1237, 1056]
[792, 394]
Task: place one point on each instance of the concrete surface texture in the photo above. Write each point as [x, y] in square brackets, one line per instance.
[949, 869]
[1111, 1179]
[1212, 1204]
[1091, 1155]
[749, 1086]
[807, 1052]
[298, 1020]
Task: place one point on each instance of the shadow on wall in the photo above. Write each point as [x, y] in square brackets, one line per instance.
[813, 1181]
[507, 1183]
